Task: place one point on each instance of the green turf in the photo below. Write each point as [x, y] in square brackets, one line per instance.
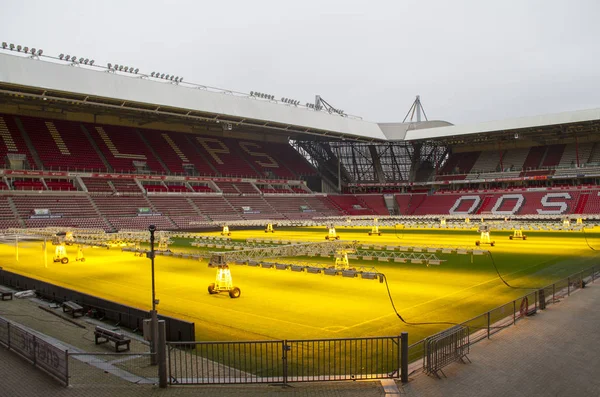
[277, 304]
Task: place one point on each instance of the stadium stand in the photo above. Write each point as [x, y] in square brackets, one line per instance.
[61, 145]
[12, 140]
[124, 149]
[375, 202]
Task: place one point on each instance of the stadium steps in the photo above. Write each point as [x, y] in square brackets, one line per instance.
[151, 149]
[194, 206]
[201, 154]
[97, 149]
[15, 211]
[94, 206]
[583, 199]
[34, 153]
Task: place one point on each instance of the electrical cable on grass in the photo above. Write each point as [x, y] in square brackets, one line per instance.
[431, 322]
[502, 278]
[400, 316]
[396, 232]
[586, 239]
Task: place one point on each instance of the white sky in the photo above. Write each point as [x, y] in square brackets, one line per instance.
[470, 61]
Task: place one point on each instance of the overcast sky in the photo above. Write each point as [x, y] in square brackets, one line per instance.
[470, 61]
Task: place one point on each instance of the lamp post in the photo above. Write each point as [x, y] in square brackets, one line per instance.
[153, 314]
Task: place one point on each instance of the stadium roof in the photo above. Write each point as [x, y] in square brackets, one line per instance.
[543, 128]
[55, 82]
[97, 86]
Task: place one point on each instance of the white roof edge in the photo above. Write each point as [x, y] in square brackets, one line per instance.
[504, 125]
[28, 72]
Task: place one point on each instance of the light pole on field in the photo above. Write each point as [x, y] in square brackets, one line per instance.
[153, 314]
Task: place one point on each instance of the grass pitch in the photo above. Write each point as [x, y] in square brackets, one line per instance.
[277, 304]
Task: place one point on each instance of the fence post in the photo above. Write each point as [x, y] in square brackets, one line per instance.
[514, 312]
[404, 357]
[553, 293]
[66, 368]
[535, 300]
[162, 356]
[34, 351]
[284, 349]
[488, 325]
[568, 286]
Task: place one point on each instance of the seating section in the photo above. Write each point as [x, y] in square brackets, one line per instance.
[375, 202]
[254, 207]
[216, 208]
[60, 185]
[120, 206]
[75, 206]
[28, 184]
[515, 202]
[575, 155]
[12, 140]
[121, 146]
[553, 155]
[534, 157]
[97, 185]
[128, 186]
[350, 205]
[236, 187]
[513, 159]
[460, 163]
[486, 162]
[61, 145]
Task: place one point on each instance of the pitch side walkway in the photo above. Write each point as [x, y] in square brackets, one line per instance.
[555, 353]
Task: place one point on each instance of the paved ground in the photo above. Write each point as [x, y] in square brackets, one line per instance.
[554, 353]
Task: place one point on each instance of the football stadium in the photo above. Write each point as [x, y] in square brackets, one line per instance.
[280, 240]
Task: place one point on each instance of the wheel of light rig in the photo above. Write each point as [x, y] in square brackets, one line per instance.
[493, 243]
[64, 260]
[82, 259]
[211, 289]
[477, 243]
[235, 292]
[510, 237]
[524, 237]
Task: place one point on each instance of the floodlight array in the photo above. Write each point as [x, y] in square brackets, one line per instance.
[290, 101]
[262, 95]
[121, 68]
[19, 48]
[75, 61]
[170, 77]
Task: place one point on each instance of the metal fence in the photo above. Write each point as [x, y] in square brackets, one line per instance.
[445, 348]
[36, 350]
[285, 361]
[495, 320]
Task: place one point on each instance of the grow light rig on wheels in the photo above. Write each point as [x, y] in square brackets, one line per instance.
[223, 281]
[485, 236]
[518, 234]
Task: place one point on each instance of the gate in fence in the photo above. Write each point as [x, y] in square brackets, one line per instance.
[445, 348]
[286, 360]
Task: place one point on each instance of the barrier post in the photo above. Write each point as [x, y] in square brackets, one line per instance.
[488, 325]
[162, 356]
[284, 350]
[67, 368]
[568, 286]
[404, 357]
[514, 312]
